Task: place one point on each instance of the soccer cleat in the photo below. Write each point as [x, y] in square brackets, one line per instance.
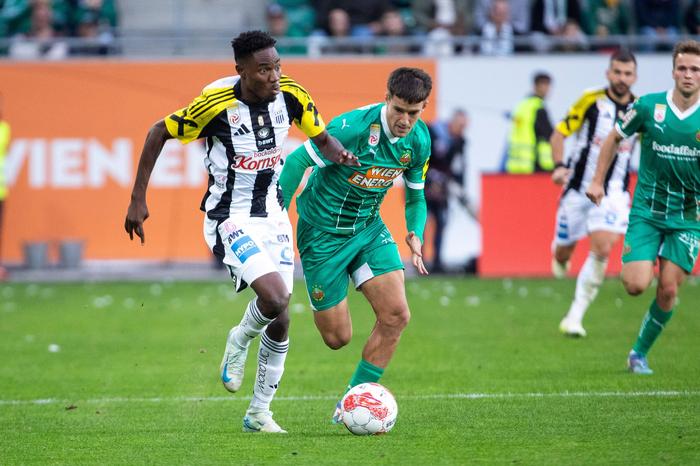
[637, 364]
[261, 421]
[572, 329]
[337, 414]
[560, 270]
[233, 364]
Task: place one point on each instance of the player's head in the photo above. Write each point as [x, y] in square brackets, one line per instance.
[258, 65]
[541, 82]
[686, 67]
[407, 95]
[621, 73]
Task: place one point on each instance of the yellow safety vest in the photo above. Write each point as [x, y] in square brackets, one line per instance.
[523, 148]
[4, 142]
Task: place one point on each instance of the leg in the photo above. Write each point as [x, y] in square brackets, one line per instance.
[334, 325]
[637, 276]
[588, 282]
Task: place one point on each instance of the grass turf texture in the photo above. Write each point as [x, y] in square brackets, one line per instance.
[136, 379]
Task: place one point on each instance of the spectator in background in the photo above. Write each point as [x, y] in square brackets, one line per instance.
[393, 26]
[96, 20]
[440, 20]
[556, 18]
[337, 27]
[445, 176]
[603, 18]
[529, 150]
[278, 27]
[365, 15]
[519, 15]
[497, 33]
[659, 21]
[4, 143]
[43, 39]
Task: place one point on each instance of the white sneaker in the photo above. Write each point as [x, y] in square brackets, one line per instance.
[560, 270]
[233, 364]
[261, 421]
[572, 329]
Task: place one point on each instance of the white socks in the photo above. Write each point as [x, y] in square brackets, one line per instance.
[589, 280]
[252, 323]
[271, 356]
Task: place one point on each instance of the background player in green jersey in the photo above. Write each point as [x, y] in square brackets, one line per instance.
[665, 217]
[340, 233]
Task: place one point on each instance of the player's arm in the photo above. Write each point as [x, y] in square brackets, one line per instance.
[565, 128]
[596, 191]
[137, 212]
[416, 216]
[333, 150]
[295, 165]
[561, 172]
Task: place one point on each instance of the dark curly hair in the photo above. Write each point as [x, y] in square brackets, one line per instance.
[412, 85]
[247, 43]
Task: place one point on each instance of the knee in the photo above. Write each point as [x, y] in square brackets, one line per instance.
[666, 293]
[397, 320]
[634, 287]
[337, 339]
[274, 303]
[281, 322]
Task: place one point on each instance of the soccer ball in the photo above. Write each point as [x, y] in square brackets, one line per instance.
[369, 409]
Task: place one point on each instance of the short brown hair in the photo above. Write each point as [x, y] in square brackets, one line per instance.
[686, 46]
[410, 84]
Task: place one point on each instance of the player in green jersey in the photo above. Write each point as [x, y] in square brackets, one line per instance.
[665, 216]
[340, 233]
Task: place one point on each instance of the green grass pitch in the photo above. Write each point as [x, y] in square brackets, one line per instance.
[481, 376]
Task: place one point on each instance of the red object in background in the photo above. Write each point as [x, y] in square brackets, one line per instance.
[517, 222]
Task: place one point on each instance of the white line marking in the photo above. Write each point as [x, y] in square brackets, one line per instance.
[440, 396]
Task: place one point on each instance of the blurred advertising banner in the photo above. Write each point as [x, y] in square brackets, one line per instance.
[77, 132]
[518, 228]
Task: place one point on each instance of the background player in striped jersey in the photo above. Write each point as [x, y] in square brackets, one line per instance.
[591, 119]
[665, 216]
[245, 120]
[340, 233]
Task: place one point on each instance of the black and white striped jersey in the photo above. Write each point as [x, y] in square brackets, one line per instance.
[592, 118]
[244, 143]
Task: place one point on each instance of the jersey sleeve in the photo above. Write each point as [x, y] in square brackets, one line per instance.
[575, 116]
[347, 129]
[190, 123]
[414, 176]
[633, 121]
[301, 108]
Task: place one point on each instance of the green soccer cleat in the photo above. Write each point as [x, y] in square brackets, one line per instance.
[637, 364]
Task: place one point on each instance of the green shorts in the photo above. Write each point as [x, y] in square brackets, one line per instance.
[329, 260]
[645, 241]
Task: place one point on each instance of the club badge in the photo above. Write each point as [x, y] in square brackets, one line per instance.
[373, 135]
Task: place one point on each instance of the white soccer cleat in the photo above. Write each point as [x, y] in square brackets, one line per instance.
[261, 421]
[560, 270]
[233, 364]
[572, 329]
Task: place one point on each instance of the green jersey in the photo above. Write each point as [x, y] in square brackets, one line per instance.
[668, 187]
[343, 199]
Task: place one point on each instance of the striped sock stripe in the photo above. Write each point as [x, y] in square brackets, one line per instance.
[255, 313]
[275, 346]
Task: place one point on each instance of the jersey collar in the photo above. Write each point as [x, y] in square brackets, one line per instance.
[680, 115]
[385, 126]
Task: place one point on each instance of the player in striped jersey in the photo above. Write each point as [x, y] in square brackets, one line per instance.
[244, 120]
[591, 119]
[340, 233]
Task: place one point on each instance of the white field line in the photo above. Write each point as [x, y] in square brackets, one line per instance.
[442, 396]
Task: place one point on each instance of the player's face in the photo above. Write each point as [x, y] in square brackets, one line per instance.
[401, 115]
[621, 76]
[686, 74]
[261, 74]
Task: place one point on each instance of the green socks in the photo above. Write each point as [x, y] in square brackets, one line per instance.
[365, 372]
[652, 325]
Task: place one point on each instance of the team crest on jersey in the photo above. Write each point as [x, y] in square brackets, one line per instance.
[373, 135]
[234, 117]
[405, 158]
[697, 136]
[317, 293]
[659, 113]
[263, 132]
[626, 249]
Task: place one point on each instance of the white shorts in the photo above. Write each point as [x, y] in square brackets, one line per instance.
[577, 216]
[253, 247]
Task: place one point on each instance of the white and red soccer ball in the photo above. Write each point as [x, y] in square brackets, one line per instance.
[368, 409]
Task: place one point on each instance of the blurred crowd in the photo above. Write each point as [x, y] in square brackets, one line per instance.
[44, 28]
[497, 27]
